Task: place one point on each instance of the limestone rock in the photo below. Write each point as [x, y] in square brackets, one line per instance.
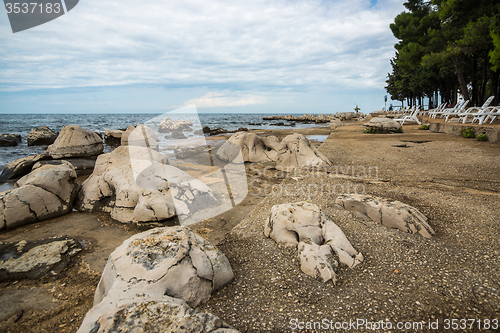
[22, 166]
[32, 260]
[9, 139]
[169, 125]
[335, 123]
[83, 166]
[75, 141]
[158, 315]
[295, 151]
[46, 192]
[41, 136]
[140, 136]
[171, 261]
[113, 137]
[383, 125]
[391, 213]
[135, 185]
[304, 225]
[317, 261]
[253, 148]
[149, 279]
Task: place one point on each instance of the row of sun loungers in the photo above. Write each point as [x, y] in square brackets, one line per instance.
[457, 113]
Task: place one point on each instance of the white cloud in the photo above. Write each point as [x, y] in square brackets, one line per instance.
[214, 100]
[278, 44]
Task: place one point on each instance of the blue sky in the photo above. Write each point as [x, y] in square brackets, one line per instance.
[287, 56]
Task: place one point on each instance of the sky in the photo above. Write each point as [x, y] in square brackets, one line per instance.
[285, 56]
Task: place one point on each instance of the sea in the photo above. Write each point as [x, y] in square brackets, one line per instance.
[23, 123]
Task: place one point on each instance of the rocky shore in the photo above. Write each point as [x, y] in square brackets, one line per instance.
[396, 227]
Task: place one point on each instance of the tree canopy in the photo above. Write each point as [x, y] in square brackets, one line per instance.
[444, 46]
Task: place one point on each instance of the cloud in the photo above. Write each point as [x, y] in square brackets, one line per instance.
[258, 45]
[214, 100]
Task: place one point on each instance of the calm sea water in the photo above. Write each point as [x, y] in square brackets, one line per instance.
[22, 124]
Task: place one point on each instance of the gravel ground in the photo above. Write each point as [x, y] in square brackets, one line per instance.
[404, 278]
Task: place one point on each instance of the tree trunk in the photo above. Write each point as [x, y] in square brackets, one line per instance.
[461, 79]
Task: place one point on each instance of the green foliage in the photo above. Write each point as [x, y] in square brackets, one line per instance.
[467, 133]
[482, 137]
[371, 130]
[424, 127]
[357, 108]
[445, 44]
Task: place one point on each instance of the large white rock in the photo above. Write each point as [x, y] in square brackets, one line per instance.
[253, 148]
[391, 213]
[149, 279]
[44, 193]
[383, 124]
[166, 315]
[135, 185]
[295, 151]
[304, 225]
[75, 141]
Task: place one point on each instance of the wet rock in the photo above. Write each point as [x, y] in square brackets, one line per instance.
[215, 131]
[295, 151]
[9, 139]
[391, 213]
[83, 166]
[22, 166]
[75, 141]
[317, 238]
[34, 259]
[177, 135]
[383, 125]
[169, 125]
[41, 136]
[149, 279]
[45, 193]
[113, 137]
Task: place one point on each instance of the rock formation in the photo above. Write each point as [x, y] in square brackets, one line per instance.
[304, 225]
[391, 213]
[135, 185]
[140, 136]
[44, 193]
[169, 125]
[9, 139]
[34, 259]
[22, 166]
[293, 151]
[383, 125]
[113, 137]
[75, 141]
[253, 148]
[149, 279]
[41, 136]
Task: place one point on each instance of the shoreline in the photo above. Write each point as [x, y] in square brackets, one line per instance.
[424, 169]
